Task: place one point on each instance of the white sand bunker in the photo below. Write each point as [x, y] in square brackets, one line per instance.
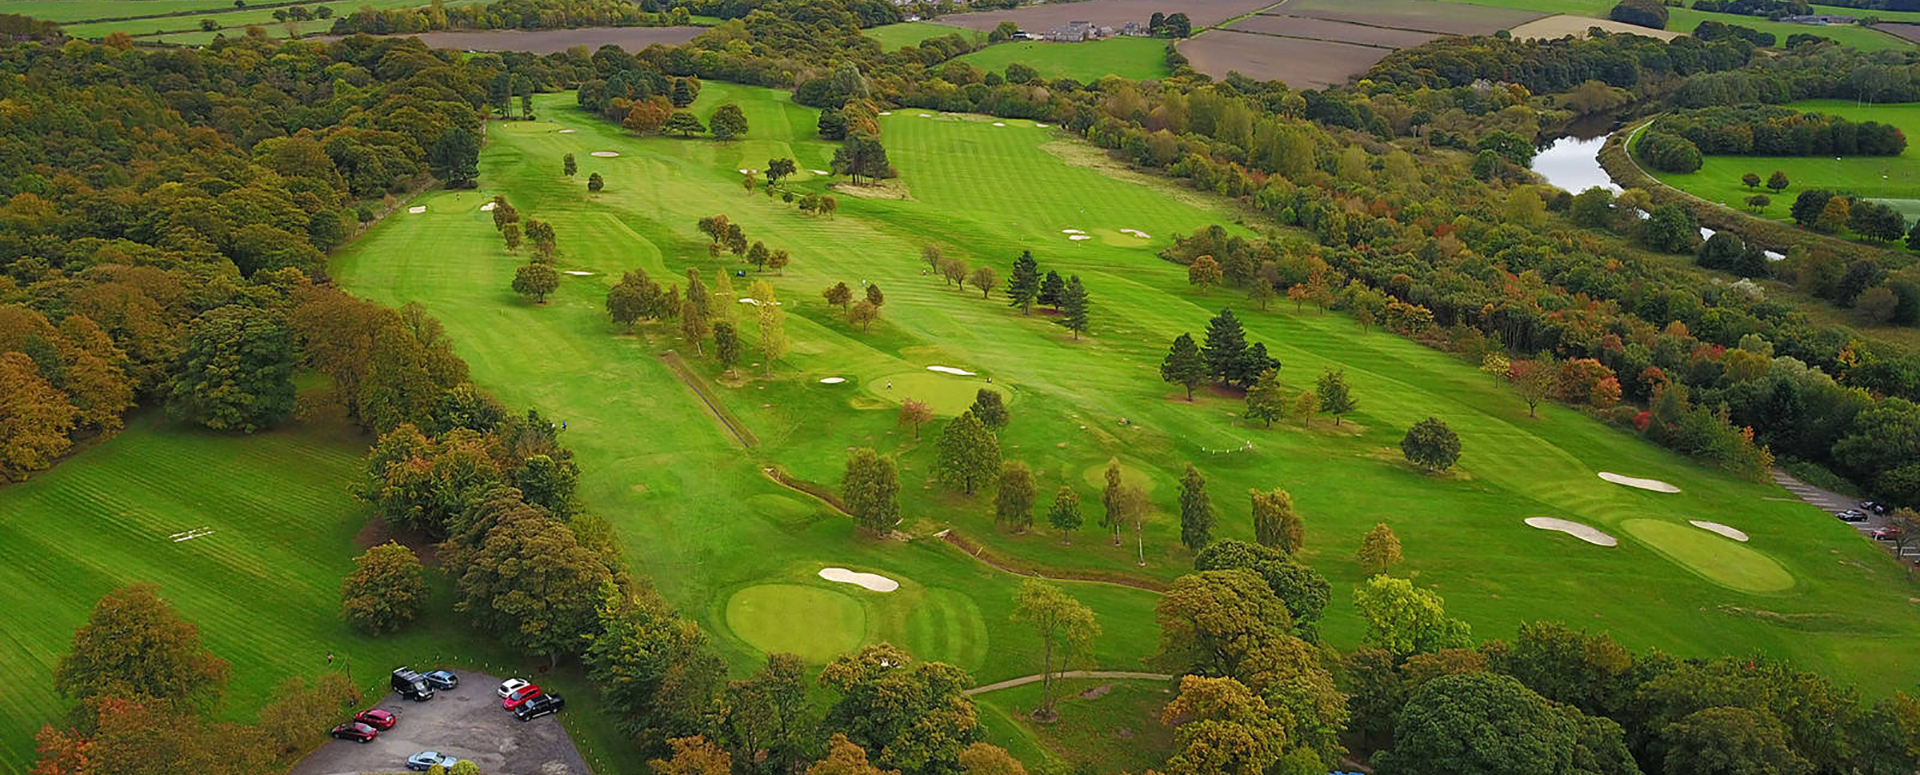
[1137, 233]
[999, 123]
[1715, 527]
[1042, 126]
[1644, 484]
[821, 172]
[1078, 237]
[488, 207]
[749, 172]
[756, 302]
[926, 115]
[1574, 529]
[950, 370]
[568, 131]
[832, 380]
[872, 581]
[605, 154]
[1071, 231]
[578, 273]
[886, 113]
[417, 209]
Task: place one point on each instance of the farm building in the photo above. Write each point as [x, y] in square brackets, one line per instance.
[1818, 18]
[1071, 32]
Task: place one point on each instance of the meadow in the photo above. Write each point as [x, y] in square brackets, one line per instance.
[233, 20]
[1894, 179]
[1135, 59]
[741, 553]
[894, 36]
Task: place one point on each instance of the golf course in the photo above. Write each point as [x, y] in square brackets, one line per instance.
[743, 553]
[1893, 180]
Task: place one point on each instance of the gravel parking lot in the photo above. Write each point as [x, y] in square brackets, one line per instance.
[467, 722]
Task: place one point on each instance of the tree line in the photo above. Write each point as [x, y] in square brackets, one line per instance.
[505, 15]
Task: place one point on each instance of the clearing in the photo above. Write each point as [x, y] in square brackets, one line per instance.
[1131, 58]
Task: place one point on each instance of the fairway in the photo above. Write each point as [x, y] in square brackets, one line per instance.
[688, 499]
[1130, 58]
[1894, 178]
[262, 582]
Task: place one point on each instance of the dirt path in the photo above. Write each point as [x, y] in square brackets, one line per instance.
[698, 387]
[1034, 679]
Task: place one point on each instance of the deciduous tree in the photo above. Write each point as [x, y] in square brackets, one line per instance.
[1205, 273]
[838, 295]
[1266, 399]
[535, 280]
[595, 183]
[991, 408]
[728, 122]
[863, 314]
[683, 124]
[385, 592]
[1406, 620]
[694, 756]
[914, 413]
[1333, 394]
[1379, 550]
[968, 453]
[567, 165]
[1066, 627]
[1064, 515]
[133, 645]
[984, 278]
[1305, 406]
[236, 371]
[870, 490]
[1275, 523]
[1013, 503]
[1430, 444]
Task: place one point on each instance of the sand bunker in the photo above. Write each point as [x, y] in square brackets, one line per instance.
[1078, 237]
[1042, 126]
[926, 115]
[1644, 484]
[1715, 527]
[1574, 529]
[1137, 233]
[1071, 231]
[886, 113]
[605, 154]
[749, 172]
[871, 581]
[488, 207]
[832, 380]
[822, 172]
[756, 302]
[950, 370]
[578, 273]
[999, 123]
[417, 209]
[568, 131]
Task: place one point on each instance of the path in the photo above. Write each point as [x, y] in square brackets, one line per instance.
[692, 381]
[1833, 503]
[1032, 679]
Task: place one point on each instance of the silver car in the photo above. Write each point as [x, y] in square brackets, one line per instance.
[424, 760]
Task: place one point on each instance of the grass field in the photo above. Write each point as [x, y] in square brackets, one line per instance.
[263, 586]
[893, 36]
[1875, 177]
[1105, 726]
[1131, 58]
[234, 20]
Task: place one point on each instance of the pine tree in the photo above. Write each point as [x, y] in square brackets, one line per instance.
[1196, 512]
[1065, 514]
[1335, 398]
[1051, 289]
[1074, 305]
[1023, 286]
[1184, 365]
[1275, 523]
[1266, 400]
[968, 453]
[1226, 347]
[1013, 504]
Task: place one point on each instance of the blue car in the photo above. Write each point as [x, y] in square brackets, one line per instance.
[424, 760]
[441, 679]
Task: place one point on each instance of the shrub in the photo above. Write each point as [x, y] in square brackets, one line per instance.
[1644, 13]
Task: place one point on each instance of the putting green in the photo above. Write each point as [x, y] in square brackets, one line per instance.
[1096, 476]
[1711, 556]
[947, 394]
[946, 626]
[815, 623]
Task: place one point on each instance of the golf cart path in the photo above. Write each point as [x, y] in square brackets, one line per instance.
[1824, 500]
[1030, 679]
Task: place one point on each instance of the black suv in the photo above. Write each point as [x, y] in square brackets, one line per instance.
[411, 685]
[543, 705]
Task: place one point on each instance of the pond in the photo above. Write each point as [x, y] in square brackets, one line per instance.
[1572, 164]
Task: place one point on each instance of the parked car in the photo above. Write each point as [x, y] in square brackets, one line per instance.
[511, 685]
[441, 679]
[543, 705]
[424, 760]
[520, 696]
[1851, 515]
[376, 718]
[1885, 534]
[1875, 507]
[356, 731]
[411, 685]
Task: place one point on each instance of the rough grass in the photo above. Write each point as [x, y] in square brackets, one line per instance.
[1872, 177]
[683, 496]
[1105, 726]
[1130, 58]
[894, 36]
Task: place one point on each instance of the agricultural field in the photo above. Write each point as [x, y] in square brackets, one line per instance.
[1894, 179]
[247, 535]
[1130, 58]
[1683, 20]
[1319, 43]
[1555, 27]
[894, 36]
[743, 554]
[1112, 13]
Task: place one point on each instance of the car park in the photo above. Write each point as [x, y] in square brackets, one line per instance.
[411, 685]
[520, 696]
[424, 760]
[511, 685]
[1885, 534]
[376, 718]
[1852, 515]
[1874, 506]
[441, 679]
[543, 705]
[355, 731]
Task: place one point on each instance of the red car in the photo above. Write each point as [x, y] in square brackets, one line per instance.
[520, 695]
[356, 731]
[378, 719]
